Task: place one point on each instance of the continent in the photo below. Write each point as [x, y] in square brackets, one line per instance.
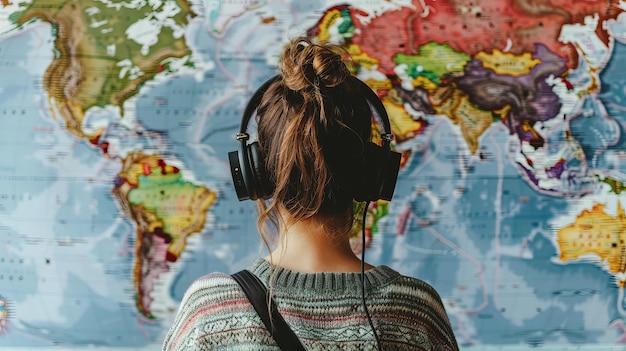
[472, 120]
[594, 232]
[468, 26]
[477, 62]
[528, 98]
[99, 59]
[166, 210]
[510, 86]
[478, 26]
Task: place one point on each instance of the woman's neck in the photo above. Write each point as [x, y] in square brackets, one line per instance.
[317, 244]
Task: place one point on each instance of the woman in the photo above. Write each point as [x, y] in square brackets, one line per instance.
[314, 128]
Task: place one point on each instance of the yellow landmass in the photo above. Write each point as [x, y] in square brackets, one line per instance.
[133, 165]
[181, 217]
[473, 122]
[423, 82]
[353, 49]
[192, 219]
[508, 63]
[184, 211]
[595, 232]
[376, 84]
[166, 210]
[503, 112]
[527, 128]
[362, 58]
[403, 126]
[393, 97]
[327, 21]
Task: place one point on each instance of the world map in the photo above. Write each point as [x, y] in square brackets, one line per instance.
[116, 118]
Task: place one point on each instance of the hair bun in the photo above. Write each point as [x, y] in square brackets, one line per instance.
[307, 66]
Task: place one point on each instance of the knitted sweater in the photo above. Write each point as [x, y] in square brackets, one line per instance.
[324, 309]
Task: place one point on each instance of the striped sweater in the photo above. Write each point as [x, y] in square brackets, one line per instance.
[323, 309]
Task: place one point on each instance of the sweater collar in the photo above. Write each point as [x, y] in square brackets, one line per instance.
[334, 281]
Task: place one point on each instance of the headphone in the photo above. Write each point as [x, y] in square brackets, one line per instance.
[378, 182]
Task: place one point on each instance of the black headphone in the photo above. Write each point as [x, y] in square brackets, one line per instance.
[378, 182]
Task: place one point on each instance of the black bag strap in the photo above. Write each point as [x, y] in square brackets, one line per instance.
[257, 294]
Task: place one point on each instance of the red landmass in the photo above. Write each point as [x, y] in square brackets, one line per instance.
[95, 139]
[383, 37]
[471, 26]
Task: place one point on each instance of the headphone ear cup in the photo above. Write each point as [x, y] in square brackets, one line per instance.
[389, 177]
[264, 188]
[237, 171]
[366, 189]
[381, 169]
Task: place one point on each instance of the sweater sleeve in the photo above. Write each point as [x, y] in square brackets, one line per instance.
[203, 301]
[446, 327]
[215, 314]
[181, 333]
[444, 340]
[420, 318]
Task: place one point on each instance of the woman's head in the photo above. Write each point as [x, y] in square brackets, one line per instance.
[312, 127]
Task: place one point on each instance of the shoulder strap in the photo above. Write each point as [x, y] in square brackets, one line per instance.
[257, 294]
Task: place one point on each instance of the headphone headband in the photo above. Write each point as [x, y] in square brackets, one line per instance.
[254, 102]
[248, 167]
[370, 97]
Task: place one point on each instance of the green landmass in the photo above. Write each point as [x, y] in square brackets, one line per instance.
[167, 196]
[433, 61]
[616, 186]
[87, 31]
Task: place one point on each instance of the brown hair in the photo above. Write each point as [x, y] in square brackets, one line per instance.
[312, 126]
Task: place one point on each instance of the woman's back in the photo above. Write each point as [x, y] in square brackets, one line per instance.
[323, 309]
[316, 159]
